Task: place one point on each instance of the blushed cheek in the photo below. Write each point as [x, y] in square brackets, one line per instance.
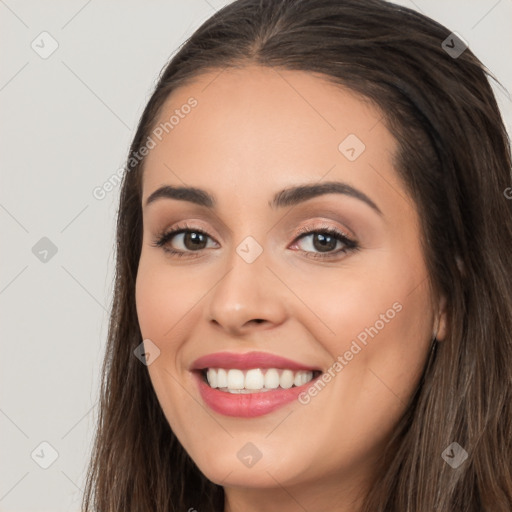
[397, 355]
[355, 314]
[167, 308]
[157, 295]
[158, 308]
[380, 336]
[156, 304]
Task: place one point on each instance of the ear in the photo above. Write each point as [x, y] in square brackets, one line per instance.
[440, 321]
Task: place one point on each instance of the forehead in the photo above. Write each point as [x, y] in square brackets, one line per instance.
[259, 129]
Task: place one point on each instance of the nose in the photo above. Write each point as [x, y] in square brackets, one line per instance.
[247, 297]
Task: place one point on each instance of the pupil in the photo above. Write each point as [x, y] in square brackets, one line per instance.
[194, 240]
[326, 242]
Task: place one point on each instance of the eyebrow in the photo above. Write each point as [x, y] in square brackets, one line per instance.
[287, 197]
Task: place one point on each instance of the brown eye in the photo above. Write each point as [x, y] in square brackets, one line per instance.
[193, 240]
[324, 243]
[181, 241]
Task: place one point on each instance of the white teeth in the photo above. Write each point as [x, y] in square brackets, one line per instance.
[272, 379]
[302, 378]
[211, 375]
[286, 379]
[235, 379]
[255, 379]
[222, 378]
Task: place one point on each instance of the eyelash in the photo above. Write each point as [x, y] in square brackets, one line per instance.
[349, 245]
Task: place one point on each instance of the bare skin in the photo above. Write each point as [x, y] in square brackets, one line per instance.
[254, 132]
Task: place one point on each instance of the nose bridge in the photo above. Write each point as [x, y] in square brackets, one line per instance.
[248, 291]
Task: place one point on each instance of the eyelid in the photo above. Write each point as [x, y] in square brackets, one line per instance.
[325, 226]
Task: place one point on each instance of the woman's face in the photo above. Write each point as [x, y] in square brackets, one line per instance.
[272, 156]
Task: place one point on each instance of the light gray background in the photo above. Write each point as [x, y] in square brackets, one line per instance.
[67, 121]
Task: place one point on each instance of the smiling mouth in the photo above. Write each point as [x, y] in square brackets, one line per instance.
[256, 380]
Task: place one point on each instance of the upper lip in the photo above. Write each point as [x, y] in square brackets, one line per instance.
[247, 360]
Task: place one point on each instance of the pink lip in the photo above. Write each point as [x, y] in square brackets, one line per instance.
[247, 405]
[247, 360]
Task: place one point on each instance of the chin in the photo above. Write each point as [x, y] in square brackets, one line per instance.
[244, 464]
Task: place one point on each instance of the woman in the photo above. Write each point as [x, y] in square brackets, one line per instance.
[313, 299]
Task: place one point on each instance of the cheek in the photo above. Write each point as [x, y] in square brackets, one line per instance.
[165, 298]
[151, 302]
[165, 311]
[380, 342]
[372, 295]
[377, 325]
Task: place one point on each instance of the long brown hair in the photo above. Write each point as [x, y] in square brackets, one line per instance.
[454, 159]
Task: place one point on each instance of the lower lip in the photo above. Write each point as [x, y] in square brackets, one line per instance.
[246, 405]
